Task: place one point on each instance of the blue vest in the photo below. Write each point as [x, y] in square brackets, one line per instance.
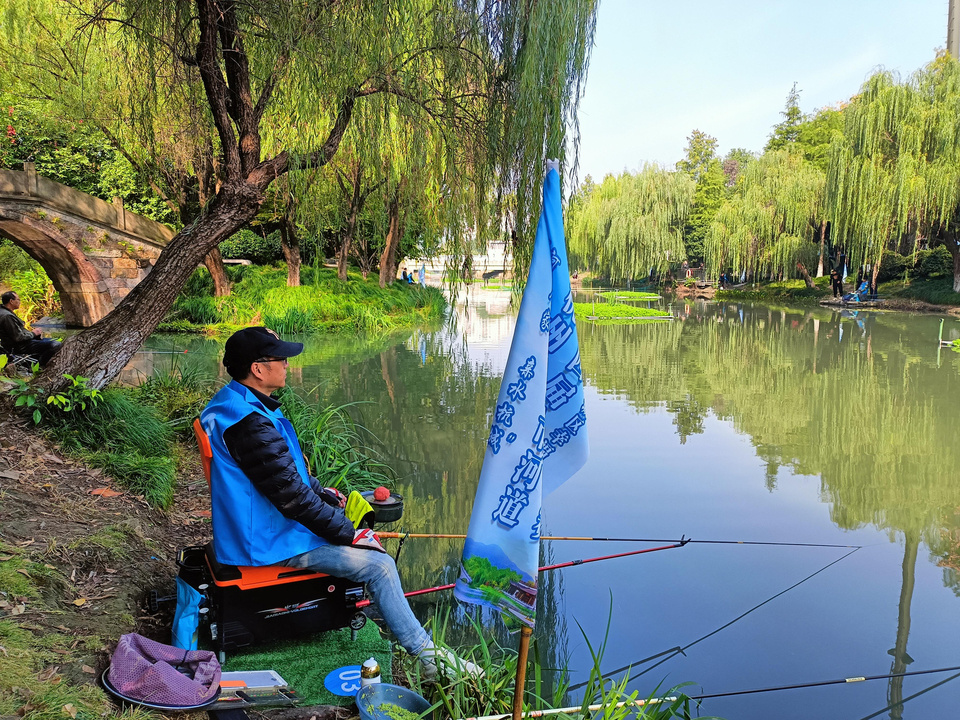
[247, 528]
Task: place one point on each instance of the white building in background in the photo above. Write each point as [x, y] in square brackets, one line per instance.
[495, 264]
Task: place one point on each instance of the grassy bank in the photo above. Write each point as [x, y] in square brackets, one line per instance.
[628, 295]
[794, 290]
[617, 313]
[936, 291]
[137, 435]
[321, 304]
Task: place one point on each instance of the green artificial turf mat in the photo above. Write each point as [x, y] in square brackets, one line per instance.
[306, 662]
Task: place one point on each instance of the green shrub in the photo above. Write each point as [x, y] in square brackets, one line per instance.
[248, 245]
[14, 260]
[934, 263]
[177, 394]
[893, 265]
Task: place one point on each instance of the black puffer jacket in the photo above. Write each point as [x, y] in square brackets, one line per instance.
[264, 457]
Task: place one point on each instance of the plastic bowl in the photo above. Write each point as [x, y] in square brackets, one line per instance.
[372, 699]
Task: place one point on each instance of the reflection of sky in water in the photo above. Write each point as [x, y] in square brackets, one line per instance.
[738, 423]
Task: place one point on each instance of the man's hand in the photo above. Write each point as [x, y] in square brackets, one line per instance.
[368, 540]
[332, 496]
[36, 333]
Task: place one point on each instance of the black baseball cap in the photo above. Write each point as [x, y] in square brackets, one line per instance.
[248, 345]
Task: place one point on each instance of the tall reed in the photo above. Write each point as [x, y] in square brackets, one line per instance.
[337, 448]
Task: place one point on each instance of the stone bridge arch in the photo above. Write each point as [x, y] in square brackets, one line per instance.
[94, 252]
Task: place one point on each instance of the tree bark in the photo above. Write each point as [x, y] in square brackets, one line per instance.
[101, 351]
[388, 259]
[214, 264]
[804, 273]
[952, 242]
[290, 244]
[823, 242]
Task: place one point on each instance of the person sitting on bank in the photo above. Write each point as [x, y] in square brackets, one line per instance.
[15, 337]
[268, 510]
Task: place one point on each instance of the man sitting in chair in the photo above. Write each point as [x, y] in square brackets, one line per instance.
[15, 338]
[269, 510]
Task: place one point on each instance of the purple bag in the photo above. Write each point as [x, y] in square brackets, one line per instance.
[150, 672]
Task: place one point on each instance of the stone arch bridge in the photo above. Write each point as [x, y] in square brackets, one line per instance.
[94, 252]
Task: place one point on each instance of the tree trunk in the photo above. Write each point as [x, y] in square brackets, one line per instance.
[290, 244]
[343, 254]
[823, 242]
[952, 242]
[214, 264]
[101, 351]
[388, 259]
[805, 275]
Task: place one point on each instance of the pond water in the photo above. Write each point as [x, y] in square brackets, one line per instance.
[732, 422]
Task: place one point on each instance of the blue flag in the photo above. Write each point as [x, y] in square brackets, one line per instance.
[538, 438]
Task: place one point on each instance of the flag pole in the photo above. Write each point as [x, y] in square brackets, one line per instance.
[525, 634]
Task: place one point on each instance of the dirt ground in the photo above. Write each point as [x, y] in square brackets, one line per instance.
[106, 548]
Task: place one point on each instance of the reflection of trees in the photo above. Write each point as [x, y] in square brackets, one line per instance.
[845, 398]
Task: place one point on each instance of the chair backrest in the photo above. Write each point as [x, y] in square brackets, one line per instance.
[206, 452]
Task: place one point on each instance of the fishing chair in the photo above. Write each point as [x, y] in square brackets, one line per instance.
[250, 605]
[21, 362]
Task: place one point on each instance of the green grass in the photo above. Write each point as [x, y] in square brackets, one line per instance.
[27, 654]
[629, 295]
[937, 291]
[127, 439]
[463, 695]
[304, 663]
[177, 394]
[617, 313]
[321, 304]
[793, 290]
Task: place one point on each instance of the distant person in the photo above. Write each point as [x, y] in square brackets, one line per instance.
[403, 275]
[836, 282]
[17, 339]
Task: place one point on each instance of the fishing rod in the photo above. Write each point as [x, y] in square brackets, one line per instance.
[838, 681]
[545, 568]
[161, 352]
[673, 699]
[458, 536]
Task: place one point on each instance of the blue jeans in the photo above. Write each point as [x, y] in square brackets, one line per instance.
[41, 348]
[378, 571]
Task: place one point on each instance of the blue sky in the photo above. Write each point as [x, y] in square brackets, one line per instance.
[661, 68]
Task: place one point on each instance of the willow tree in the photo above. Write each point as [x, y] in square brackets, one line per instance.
[629, 224]
[894, 178]
[281, 81]
[771, 223]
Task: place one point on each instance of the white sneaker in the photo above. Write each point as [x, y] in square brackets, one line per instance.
[435, 659]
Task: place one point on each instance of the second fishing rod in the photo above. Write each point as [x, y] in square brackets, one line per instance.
[570, 563]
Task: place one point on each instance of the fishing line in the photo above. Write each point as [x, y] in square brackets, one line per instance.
[682, 650]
